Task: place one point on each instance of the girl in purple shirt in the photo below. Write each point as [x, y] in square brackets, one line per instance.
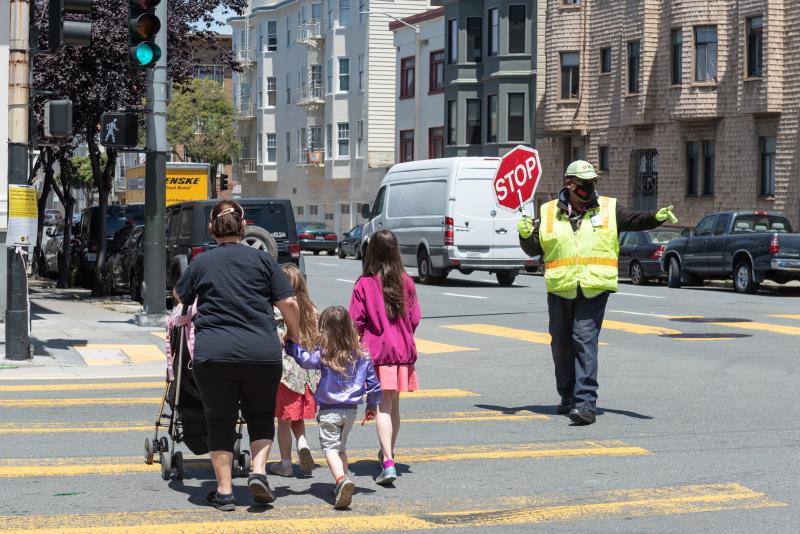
[386, 313]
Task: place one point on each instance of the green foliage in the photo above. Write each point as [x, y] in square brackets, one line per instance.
[82, 169]
[201, 118]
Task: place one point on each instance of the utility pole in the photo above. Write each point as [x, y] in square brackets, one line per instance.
[17, 323]
[155, 187]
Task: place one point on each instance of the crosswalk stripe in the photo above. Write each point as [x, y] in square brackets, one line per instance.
[109, 427]
[77, 466]
[134, 401]
[425, 346]
[789, 316]
[635, 328]
[518, 334]
[115, 353]
[763, 327]
[442, 514]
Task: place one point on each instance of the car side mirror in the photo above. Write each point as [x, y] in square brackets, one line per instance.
[365, 211]
[346, 234]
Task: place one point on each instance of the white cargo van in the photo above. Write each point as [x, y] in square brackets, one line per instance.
[446, 217]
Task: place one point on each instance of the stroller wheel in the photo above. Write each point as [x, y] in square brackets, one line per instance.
[244, 463]
[163, 444]
[177, 465]
[166, 465]
[149, 452]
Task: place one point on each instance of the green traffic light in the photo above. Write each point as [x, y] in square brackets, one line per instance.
[146, 54]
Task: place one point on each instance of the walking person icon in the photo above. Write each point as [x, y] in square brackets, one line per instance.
[111, 131]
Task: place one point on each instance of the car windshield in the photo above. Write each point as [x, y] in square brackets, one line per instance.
[664, 235]
[313, 226]
[755, 223]
[121, 216]
[271, 217]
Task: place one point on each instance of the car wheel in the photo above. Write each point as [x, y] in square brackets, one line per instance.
[258, 238]
[637, 274]
[674, 273]
[743, 278]
[360, 252]
[506, 278]
[342, 254]
[424, 269]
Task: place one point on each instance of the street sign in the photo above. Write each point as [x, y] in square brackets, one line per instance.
[119, 129]
[517, 177]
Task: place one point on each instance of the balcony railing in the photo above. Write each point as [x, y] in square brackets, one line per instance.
[310, 33]
[248, 165]
[311, 157]
[312, 95]
[246, 57]
[245, 110]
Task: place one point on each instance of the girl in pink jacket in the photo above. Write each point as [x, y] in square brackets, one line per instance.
[386, 312]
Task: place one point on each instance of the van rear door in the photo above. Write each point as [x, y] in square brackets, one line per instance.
[472, 211]
[506, 239]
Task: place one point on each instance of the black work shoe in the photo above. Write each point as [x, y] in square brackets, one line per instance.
[582, 416]
[225, 503]
[259, 487]
[565, 406]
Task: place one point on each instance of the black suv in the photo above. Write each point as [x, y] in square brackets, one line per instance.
[270, 227]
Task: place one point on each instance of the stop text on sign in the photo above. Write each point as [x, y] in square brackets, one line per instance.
[515, 178]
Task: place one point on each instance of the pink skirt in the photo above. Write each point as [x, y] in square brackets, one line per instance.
[400, 377]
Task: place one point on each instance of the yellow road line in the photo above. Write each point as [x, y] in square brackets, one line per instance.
[134, 352]
[82, 387]
[518, 334]
[764, 327]
[635, 328]
[425, 346]
[135, 401]
[789, 316]
[110, 427]
[47, 467]
[160, 335]
[447, 514]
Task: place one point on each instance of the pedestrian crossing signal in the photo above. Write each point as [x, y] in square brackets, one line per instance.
[143, 26]
[119, 130]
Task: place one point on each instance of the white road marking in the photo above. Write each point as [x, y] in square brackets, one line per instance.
[345, 280]
[464, 296]
[640, 295]
[642, 314]
[328, 264]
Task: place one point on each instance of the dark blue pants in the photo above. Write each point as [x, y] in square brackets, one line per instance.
[574, 331]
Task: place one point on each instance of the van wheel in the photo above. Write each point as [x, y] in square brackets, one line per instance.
[743, 278]
[674, 274]
[506, 278]
[424, 269]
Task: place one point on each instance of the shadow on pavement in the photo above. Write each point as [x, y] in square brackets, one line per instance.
[37, 311]
[369, 468]
[551, 410]
[40, 348]
[321, 490]
[197, 495]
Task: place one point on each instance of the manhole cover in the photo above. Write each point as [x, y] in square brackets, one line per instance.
[705, 336]
[709, 320]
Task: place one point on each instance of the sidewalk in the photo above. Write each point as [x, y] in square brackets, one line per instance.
[77, 336]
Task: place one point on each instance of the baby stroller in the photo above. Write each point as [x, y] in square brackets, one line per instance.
[185, 422]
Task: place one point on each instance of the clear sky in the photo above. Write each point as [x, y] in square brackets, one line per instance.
[220, 15]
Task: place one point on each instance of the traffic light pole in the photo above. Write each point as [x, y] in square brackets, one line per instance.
[155, 252]
[17, 318]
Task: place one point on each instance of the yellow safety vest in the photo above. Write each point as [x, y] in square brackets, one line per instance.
[586, 258]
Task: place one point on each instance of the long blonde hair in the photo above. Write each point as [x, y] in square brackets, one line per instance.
[338, 340]
[308, 312]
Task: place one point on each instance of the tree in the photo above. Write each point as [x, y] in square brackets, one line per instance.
[97, 78]
[200, 117]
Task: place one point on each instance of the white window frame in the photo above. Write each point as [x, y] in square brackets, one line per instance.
[271, 149]
[344, 21]
[360, 72]
[272, 88]
[342, 139]
[272, 36]
[329, 76]
[359, 139]
[343, 76]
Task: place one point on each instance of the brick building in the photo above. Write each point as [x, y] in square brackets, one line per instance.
[676, 102]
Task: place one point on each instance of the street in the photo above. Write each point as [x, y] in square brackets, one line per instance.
[696, 430]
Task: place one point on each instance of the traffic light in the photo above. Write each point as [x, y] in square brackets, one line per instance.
[143, 26]
[119, 129]
[223, 182]
[61, 32]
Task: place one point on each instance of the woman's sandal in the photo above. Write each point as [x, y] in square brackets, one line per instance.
[259, 487]
[225, 503]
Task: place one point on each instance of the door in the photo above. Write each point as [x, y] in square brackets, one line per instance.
[696, 256]
[645, 179]
[472, 216]
[715, 252]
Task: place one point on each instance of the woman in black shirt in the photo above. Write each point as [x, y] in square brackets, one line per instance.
[237, 352]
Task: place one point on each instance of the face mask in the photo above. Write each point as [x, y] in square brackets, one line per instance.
[584, 191]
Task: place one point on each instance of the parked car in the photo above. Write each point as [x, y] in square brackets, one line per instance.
[640, 253]
[317, 237]
[270, 227]
[52, 217]
[126, 265]
[88, 231]
[748, 246]
[50, 253]
[351, 243]
[445, 215]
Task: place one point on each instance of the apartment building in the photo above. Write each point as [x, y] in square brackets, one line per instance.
[686, 103]
[315, 101]
[490, 76]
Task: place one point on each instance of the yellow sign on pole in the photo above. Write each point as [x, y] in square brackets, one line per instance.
[23, 215]
[184, 182]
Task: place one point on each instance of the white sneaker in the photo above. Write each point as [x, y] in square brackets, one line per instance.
[280, 470]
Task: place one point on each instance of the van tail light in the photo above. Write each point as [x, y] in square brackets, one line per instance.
[330, 237]
[449, 231]
[305, 236]
[294, 250]
[197, 251]
[774, 245]
[658, 253]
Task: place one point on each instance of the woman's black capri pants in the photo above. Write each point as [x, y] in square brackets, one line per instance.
[223, 385]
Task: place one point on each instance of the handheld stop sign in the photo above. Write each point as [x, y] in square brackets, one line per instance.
[517, 177]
